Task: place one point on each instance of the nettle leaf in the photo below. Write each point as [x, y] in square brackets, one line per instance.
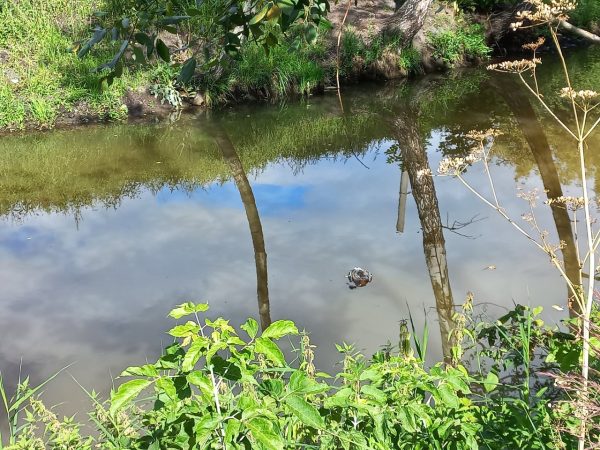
[188, 308]
[147, 370]
[198, 378]
[250, 327]
[272, 387]
[268, 348]
[304, 411]
[279, 329]
[126, 393]
[167, 386]
[407, 419]
[300, 383]
[456, 380]
[193, 354]
[262, 431]
[340, 399]
[491, 382]
[185, 330]
[232, 430]
[374, 393]
[448, 396]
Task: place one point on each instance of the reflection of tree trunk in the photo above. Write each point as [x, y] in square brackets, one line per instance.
[258, 241]
[415, 162]
[402, 202]
[524, 113]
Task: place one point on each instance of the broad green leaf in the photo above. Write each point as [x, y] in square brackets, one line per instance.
[456, 380]
[163, 50]
[340, 399]
[279, 329]
[142, 38]
[212, 351]
[187, 71]
[272, 387]
[304, 411]
[185, 330]
[126, 393]
[262, 431]
[167, 386]
[139, 55]
[250, 327]
[310, 33]
[259, 16]
[374, 393]
[490, 382]
[232, 430]
[444, 426]
[185, 309]
[98, 35]
[300, 383]
[448, 396]
[193, 354]
[146, 370]
[173, 20]
[270, 350]
[407, 419]
[371, 374]
[205, 427]
[197, 378]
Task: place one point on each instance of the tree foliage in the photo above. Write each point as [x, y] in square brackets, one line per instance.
[140, 25]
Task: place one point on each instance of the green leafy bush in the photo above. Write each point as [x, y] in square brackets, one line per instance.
[217, 388]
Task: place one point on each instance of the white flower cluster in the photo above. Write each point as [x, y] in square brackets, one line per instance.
[585, 95]
[518, 66]
[572, 203]
[457, 165]
[543, 12]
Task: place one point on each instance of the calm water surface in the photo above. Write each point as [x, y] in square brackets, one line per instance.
[103, 230]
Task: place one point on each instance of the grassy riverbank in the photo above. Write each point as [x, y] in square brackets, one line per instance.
[43, 83]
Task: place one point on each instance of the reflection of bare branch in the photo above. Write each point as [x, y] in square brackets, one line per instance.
[457, 225]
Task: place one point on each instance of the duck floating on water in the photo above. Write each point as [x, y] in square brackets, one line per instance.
[359, 277]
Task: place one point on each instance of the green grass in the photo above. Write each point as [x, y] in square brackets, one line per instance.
[356, 54]
[587, 14]
[281, 71]
[410, 60]
[453, 46]
[38, 37]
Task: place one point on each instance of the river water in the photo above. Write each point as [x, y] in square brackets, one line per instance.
[104, 229]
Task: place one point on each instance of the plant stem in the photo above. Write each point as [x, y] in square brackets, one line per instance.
[589, 300]
[215, 390]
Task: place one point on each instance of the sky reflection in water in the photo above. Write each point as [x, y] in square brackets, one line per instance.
[95, 291]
